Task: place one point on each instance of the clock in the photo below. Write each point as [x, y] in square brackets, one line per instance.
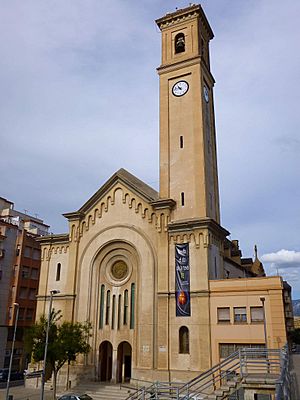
[180, 88]
[206, 94]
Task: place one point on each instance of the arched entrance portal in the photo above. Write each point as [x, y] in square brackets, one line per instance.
[124, 362]
[105, 361]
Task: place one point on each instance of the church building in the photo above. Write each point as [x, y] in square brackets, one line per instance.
[167, 293]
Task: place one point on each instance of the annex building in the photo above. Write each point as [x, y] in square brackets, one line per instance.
[167, 293]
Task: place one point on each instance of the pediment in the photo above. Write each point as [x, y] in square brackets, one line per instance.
[135, 185]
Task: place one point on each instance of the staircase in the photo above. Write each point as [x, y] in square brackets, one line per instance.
[102, 391]
[246, 369]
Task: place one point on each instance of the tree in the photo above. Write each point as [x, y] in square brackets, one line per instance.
[66, 341]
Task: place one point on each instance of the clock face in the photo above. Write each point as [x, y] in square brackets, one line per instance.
[206, 94]
[180, 88]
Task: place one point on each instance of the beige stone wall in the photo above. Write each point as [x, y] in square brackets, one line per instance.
[52, 254]
[247, 293]
[192, 169]
[121, 226]
[121, 223]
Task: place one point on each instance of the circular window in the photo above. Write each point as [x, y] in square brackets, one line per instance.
[119, 270]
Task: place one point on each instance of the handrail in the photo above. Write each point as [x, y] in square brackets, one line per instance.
[234, 368]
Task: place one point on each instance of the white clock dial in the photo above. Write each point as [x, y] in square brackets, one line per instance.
[180, 88]
[206, 93]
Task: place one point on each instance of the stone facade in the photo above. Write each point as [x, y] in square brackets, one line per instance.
[116, 266]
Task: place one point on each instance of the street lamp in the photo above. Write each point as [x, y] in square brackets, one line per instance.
[262, 299]
[52, 293]
[12, 348]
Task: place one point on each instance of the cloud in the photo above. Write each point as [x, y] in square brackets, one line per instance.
[79, 99]
[283, 258]
[285, 263]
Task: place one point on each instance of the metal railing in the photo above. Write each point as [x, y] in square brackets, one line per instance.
[284, 383]
[244, 364]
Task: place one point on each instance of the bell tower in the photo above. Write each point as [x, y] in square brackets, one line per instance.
[188, 159]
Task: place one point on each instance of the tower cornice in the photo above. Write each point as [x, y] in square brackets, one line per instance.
[196, 223]
[164, 69]
[184, 14]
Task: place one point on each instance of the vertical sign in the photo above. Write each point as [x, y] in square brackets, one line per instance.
[182, 280]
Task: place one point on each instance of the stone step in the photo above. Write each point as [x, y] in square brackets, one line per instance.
[100, 391]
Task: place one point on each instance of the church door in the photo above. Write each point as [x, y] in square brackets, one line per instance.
[124, 362]
[105, 361]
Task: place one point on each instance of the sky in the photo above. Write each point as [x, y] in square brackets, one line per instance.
[79, 100]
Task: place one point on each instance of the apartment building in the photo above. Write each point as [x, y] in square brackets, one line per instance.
[20, 260]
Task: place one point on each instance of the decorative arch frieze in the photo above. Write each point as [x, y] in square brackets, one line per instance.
[48, 251]
[159, 219]
[197, 238]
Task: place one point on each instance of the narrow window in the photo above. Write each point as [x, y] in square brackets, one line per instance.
[25, 272]
[182, 198]
[132, 300]
[184, 340]
[223, 315]
[101, 306]
[216, 269]
[34, 273]
[21, 313]
[119, 311]
[107, 307]
[257, 314]
[27, 252]
[125, 316]
[32, 294]
[58, 268]
[23, 292]
[179, 43]
[29, 314]
[113, 312]
[240, 314]
[181, 142]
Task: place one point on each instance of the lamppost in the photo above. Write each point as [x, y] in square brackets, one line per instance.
[52, 293]
[262, 299]
[16, 307]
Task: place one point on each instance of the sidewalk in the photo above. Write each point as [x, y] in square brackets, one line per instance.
[22, 393]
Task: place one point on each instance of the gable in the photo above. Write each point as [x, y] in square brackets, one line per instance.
[134, 184]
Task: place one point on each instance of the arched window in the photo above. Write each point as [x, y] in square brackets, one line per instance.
[132, 301]
[58, 268]
[119, 311]
[184, 340]
[113, 312]
[107, 307]
[179, 43]
[125, 315]
[101, 306]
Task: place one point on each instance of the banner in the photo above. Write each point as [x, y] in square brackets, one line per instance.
[182, 280]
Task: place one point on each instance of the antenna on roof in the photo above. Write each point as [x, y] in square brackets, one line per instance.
[25, 211]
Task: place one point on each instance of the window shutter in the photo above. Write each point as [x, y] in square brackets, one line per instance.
[257, 314]
[223, 314]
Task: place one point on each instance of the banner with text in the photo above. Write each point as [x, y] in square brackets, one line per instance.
[182, 280]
